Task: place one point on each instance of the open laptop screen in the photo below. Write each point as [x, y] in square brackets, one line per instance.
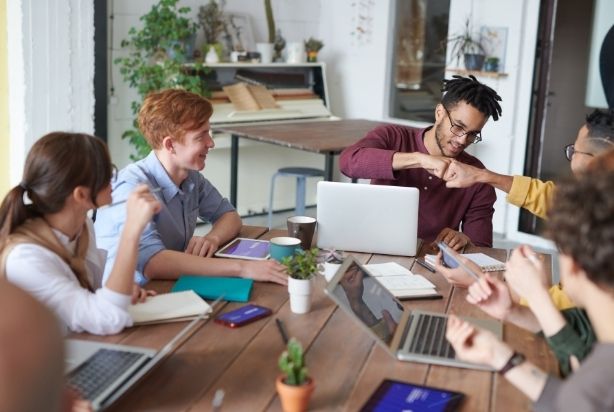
[359, 293]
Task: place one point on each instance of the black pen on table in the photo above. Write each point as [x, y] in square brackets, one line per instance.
[282, 330]
[425, 265]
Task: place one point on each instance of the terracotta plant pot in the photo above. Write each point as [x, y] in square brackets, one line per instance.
[294, 398]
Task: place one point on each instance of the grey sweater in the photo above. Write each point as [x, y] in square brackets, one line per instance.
[588, 389]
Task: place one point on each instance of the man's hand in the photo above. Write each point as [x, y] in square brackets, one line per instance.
[265, 271]
[455, 240]
[204, 246]
[457, 276]
[436, 165]
[459, 175]
[492, 296]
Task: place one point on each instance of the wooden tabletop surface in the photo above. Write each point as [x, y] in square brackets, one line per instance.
[345, 362]
[319, 137]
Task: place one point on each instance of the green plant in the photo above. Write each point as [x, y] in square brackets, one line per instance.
[156, 60]
[466, 42]
[313, 45]
[292, 364]
[211, 18]
[270, 21]
[303, 264]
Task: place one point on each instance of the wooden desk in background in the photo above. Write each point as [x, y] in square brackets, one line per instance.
[345, 362]
[324, 137]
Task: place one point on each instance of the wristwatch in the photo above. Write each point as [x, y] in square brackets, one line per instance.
[516, 359]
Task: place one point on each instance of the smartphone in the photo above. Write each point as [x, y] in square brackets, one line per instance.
[448, 260]
[243, 315]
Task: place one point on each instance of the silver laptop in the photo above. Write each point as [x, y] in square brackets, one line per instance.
[416, 336]
[102, 372]
[368, 218]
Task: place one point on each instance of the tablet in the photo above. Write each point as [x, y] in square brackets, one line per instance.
[242, 248]
[393, 396]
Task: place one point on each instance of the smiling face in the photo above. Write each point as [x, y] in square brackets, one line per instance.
[192, 152]
[463, 117]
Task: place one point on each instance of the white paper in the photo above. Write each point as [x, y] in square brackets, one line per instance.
[485, 262]
[387, 269]
[405, 282]
[168, 306]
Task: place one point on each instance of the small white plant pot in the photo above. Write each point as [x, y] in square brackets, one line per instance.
[300, 295]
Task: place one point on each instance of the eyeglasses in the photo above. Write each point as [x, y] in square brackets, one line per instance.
[456, 130]
[570, 150]
[114, 173]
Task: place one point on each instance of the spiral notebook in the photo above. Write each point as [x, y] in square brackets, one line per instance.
[485, 262]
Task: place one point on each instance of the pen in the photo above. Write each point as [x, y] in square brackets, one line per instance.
[425, 265]
[120, 202]
[282, 330]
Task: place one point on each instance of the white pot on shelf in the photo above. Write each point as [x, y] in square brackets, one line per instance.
[300, 295]
[266, 52]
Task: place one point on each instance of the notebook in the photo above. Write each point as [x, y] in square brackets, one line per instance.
[401, 282]
[408, 335]
[102, 372]
[210, 287]
[485, 262]
[368, 218]
[167, 307]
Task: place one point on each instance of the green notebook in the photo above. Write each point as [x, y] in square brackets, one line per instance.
[208, 287]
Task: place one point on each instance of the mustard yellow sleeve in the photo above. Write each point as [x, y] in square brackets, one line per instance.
[559, 298]
[532, 194]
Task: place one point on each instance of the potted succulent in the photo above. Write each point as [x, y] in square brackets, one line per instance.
[491, 64]
[468, 45]
[301, 267]
[312, 47]
[157, 53]
[294, 385]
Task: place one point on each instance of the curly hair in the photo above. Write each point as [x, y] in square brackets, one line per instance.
[172, 112]
[581, 223]
[470, 90]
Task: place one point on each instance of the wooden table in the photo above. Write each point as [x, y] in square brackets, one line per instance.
[324, 137]
[345, 362]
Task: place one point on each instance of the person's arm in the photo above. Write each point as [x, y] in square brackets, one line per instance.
[460, 175]
[477, 345]
[227, 227]
[140, 208]
[170, 264]
[435, 165]
[532, 194]
[477, 220]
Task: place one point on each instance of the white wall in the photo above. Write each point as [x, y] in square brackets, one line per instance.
[298, 20]
[51, 71]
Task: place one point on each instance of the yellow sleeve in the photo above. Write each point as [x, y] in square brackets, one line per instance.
[532, 194]
[559, 298]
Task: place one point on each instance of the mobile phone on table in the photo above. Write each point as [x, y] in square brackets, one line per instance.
[242, 316]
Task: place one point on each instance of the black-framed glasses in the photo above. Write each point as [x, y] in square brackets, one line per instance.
[456, 130]
[570, 150]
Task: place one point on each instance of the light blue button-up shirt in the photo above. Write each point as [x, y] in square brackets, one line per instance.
[174, 226]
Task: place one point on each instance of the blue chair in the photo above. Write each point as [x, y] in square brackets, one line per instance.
[301, 174]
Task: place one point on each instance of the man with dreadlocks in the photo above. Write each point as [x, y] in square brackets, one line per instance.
[406, 156]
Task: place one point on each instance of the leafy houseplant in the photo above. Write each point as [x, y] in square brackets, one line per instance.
[301, 267]
[294, 385]
[491, 64]
[469, 45]
[312, 47]
[156, 60]
[211, 18]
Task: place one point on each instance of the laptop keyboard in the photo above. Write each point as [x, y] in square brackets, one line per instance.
[101, 370]
[430, 336]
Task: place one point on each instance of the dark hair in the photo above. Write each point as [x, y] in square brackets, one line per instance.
[600, 125]
[470, 90]
[56, 164]
[581, 223]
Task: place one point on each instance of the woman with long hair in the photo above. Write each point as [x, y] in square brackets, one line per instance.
[47, 241]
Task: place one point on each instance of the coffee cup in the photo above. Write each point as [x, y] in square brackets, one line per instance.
[281, 247]
[302, 227]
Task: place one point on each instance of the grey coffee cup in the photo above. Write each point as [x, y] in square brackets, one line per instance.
[302, 227]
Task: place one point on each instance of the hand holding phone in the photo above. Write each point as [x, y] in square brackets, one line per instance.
[242, 316]
[449, 260]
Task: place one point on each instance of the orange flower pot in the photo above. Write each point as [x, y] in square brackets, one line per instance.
[294, 398]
